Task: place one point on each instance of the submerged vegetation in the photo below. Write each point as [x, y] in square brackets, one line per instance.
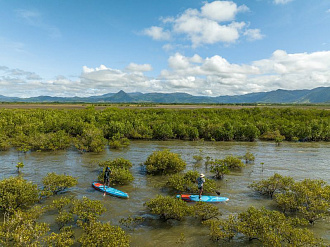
[298, 203]
[164, 162]
[90, 130]
[21, 224]
[269, 227]
[308, 199]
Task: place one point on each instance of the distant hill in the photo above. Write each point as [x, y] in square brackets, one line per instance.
[316, 95]
[120, 97]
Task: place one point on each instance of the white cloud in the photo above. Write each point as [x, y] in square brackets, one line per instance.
[213, 23]
[222, 10]
[283, 63]
[157, 33]
[328, 11]
[205, 31]
[282, 1]
[139, 67]
[213, 75]
[208, 92]
[178, 62]
[253, 34]
[281, 70]
[196, 59]
[168, 47]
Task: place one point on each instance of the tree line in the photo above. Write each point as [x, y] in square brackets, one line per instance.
[91, 130]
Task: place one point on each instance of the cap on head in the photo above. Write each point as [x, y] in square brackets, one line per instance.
[202, 175]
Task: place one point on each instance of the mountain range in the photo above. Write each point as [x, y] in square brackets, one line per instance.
[316, 95]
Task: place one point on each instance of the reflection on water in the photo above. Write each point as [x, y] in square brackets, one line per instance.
[299, 160]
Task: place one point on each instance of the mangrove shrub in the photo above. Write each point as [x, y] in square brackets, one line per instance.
[270, 228]
[164, 162]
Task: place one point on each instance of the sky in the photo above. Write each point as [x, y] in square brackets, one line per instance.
[86, 48]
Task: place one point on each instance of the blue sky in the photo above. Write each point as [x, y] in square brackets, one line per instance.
[85, 48]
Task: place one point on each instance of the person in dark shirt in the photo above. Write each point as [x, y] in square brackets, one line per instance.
[106, 178]
[200, 184]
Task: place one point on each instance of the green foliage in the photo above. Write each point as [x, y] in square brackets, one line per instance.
[162, 130]
[99, 234]
[118, 141]
[168, 207]
[121, 176]
[50, 141]
[91, 140]
[64, 208]
[272, 136]
[248, 157]
[55, 183]
[309, 199]
[89, 129]
[61, 203]
[15, 193]
[274, 184]
[220, 168]
[182, 240]
[76, 211]
[208, 161]
[270, 228]
[222, 230]
[21, 224]
[62, 239]
[233, 162]
[22, 229]
[187, 183]
[19, 165]
[179, 183]
[164, 162]
[87, 210]
[120, 173]
[116, 163]
[199, 157]
[4, 142]
[250, 132]
[63, 218]
[131, 222]
[205, 211]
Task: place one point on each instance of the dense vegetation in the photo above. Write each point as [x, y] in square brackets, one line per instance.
[298, 203]
[308, 199]
[269, 227]
[90, 130]
[21, 224]
[164, 162]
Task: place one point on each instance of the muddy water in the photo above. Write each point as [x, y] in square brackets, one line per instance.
[299, 160]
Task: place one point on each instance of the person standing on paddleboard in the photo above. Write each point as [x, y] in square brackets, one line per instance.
[200, 184]
[106, 178]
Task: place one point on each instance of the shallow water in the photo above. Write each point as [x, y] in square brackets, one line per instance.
[298, 160]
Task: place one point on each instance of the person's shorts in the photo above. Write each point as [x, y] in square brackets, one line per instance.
[200, 187]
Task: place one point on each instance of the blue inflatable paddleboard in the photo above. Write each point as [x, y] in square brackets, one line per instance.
[109, 190]
[195, 198]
